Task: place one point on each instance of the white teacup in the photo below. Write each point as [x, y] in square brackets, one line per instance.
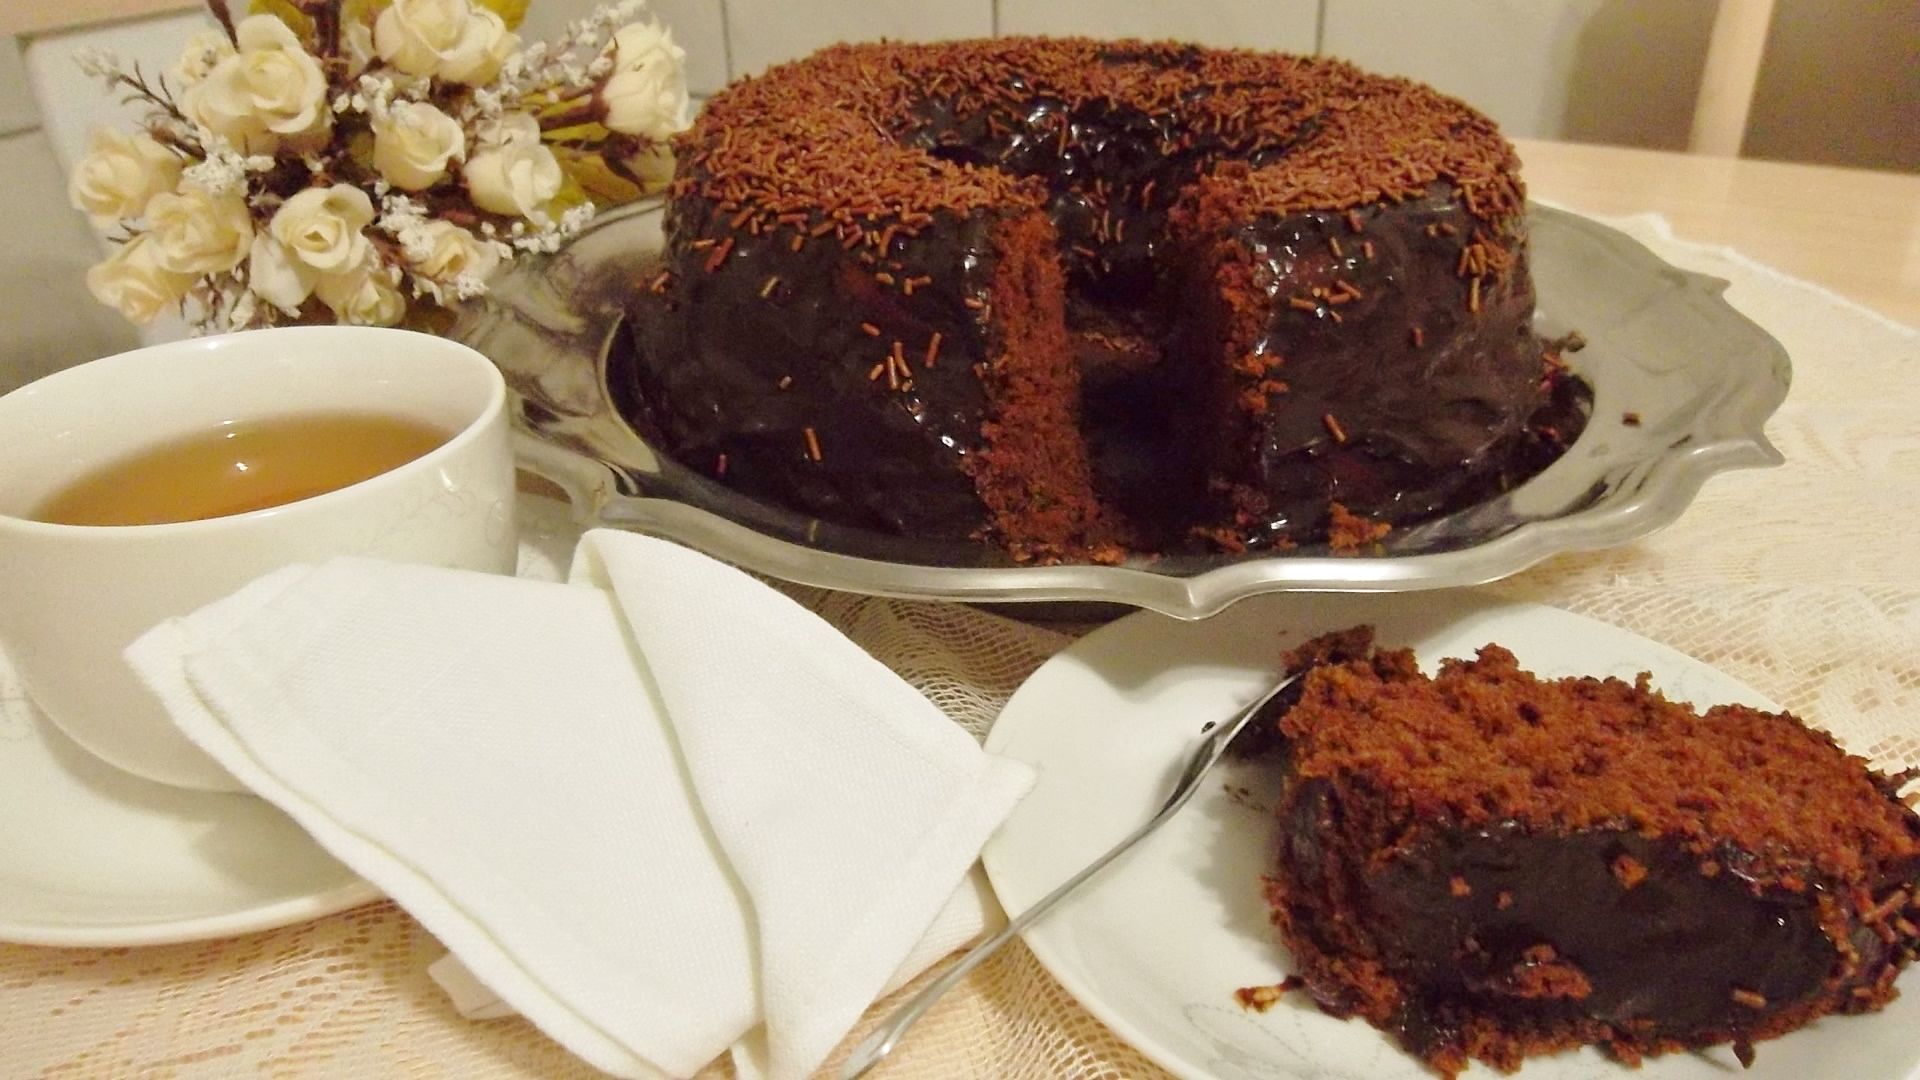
[72, 597]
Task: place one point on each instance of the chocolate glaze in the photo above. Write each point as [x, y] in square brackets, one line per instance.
[1141, 162]
[1419, 426]
[1455, 914]
[712, 354]
[1426, 431]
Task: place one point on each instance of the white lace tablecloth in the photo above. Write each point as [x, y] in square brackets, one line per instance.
[1797, 580]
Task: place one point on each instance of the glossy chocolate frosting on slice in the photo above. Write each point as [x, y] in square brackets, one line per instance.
[1600, 924]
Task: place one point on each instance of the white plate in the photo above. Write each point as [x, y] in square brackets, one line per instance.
[92, 856]
[1156, 945]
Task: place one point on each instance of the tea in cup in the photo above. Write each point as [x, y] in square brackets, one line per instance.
[145, 485]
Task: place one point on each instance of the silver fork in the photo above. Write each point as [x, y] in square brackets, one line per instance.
[1205, 756]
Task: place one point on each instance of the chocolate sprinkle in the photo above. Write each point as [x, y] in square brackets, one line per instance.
[824, 136]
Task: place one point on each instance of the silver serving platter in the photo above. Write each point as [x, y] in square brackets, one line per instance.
[1662, 344]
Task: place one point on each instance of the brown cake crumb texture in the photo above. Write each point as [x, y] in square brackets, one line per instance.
[1486, 746]
[1033, 474]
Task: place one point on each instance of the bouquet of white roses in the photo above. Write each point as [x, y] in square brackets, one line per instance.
[368, 161]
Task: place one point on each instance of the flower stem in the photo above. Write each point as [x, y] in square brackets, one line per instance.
[223, 14]
[326, 26]
[582, 112]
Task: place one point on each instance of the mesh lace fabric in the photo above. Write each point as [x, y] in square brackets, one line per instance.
[1795, 580]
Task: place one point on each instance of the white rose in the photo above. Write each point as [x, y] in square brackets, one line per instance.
[277, 277]
[647, 94]
[413, 143]
[204, 51]
[196, 233]
[325, 228]
[414, 35]
[483, 47]
[444, 251]
[221, 104]
[513, 173]
[369, 295]
[271, 90]
[635, 44]
[356, 43]
[510, 127]
[120, 174]
[133, 284]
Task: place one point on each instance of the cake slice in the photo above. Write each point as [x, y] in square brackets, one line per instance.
[1490, 865]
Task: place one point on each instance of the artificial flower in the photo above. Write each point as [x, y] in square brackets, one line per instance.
[204, 51]
[324, 228]
[271, 90]
[414, 143]
[277, 277]
[444, 252]
[197, 233]
[513, 173]
[120, 174]
[483, 48]
[647, 93]
[130, 282]
[369, 295]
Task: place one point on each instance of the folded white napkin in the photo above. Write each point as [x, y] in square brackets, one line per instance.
[649, 809]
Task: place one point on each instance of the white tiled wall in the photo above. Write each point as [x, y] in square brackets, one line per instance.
[1589, 70]
[1517, 48]
[71, 103]
[17, 112]
[48, 321]
[765, 32]
[1288, 25]
[1586, 70]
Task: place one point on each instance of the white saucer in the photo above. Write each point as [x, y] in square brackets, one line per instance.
[98, 858]
[1156, 945]
[92, 856]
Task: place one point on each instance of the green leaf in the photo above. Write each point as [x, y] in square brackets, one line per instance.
[362, 11]
[510, 11]
[588, 177]
[284, 10]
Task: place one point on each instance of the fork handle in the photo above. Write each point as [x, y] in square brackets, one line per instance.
[882, 1041]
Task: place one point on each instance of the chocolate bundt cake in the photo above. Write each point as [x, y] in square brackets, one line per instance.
[1079, 297]
[1490, 865]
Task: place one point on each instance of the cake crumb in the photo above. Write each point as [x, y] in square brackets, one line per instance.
[1629, 871]
[1348, 532]
[1261, 998]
